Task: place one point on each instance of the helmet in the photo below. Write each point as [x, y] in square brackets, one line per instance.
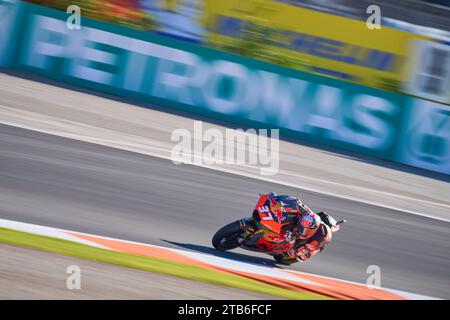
[308, 224]
[303, 208]
[276, 207]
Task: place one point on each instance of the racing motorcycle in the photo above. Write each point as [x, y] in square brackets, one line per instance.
[262, 231]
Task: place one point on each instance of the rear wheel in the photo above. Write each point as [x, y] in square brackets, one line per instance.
[226, 238]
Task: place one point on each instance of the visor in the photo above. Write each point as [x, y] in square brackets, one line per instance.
[306, 232]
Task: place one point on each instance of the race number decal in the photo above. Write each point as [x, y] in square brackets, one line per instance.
[267, 215]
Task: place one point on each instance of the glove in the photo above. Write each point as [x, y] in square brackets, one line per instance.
[290, 237]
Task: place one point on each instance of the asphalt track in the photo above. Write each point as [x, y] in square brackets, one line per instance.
[58, 182]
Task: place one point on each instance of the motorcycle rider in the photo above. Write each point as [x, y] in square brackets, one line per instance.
[303, 228]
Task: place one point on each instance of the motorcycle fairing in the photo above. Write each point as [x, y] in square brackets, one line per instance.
[265, 217]
[261, 241]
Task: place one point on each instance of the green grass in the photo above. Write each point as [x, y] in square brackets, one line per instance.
[70, 248]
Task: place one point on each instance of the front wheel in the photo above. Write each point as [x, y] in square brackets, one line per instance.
[225, 238]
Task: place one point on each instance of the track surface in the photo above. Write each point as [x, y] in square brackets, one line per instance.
[35, 274]
[75, 185]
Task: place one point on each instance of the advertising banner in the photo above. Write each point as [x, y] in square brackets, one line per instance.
[9, 18]
[336, 45]
[425, 139]
[201, 80]
[429, 73]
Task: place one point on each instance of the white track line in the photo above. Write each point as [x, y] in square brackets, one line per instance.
[244, 174]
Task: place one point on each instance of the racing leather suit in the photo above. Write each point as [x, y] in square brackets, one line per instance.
[303, 249]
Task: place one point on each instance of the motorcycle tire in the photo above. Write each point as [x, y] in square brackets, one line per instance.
[225, 238]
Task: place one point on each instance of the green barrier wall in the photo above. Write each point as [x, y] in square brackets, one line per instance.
[10, 17]
[252, 93]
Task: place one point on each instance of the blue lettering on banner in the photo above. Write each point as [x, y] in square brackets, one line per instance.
[315, 45]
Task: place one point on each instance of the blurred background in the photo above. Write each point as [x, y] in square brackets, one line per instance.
[285, 32]
[359, 89]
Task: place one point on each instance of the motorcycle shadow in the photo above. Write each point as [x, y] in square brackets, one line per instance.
[226, 254]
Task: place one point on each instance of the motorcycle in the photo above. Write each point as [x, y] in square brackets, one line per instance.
[262, 231]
